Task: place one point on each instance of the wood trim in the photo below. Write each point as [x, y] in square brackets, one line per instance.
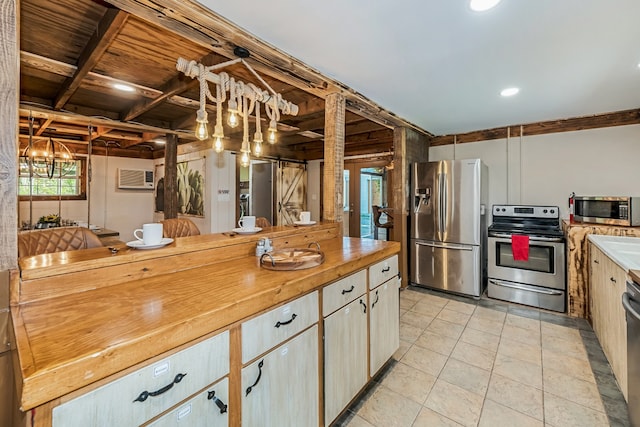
[618, 118]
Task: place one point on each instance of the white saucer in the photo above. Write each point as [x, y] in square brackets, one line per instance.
[304, 223]
[138, 244]
[246, 230]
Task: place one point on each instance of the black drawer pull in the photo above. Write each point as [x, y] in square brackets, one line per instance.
[211, 395]
[364, 306]
[346, 291]
[260, 365]
[596, 261]
[384, 270]
[613, 280]
[146, 394]
[293, 316]
[376, 301]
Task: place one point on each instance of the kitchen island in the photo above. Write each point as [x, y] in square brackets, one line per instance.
[86, 318]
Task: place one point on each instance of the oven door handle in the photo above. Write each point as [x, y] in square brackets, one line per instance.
[531, 238]
[525, 288]
[446, 246]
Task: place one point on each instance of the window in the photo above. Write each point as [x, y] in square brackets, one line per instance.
[67, 183]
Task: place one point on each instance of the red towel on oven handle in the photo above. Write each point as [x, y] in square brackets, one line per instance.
[520, 247]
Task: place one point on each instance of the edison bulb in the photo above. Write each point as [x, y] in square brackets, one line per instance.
[233, 119]
[271, 136]
[244, 160]
[217, 144]
[202, 132]
[257, 148]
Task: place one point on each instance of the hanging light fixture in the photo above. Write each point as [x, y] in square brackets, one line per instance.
[244, 99]
[45, 157]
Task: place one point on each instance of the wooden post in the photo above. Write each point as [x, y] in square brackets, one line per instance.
[334, 122]
[409, 146]
[171, 177]
[9, 78]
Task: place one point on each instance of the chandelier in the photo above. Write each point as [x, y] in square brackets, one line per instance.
[45, 157]
[244, 99]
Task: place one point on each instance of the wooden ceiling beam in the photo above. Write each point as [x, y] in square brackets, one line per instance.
[619, 118]
[44, 124]
[108, 27]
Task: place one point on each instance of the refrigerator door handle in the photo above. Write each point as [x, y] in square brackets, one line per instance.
[446, 246]
[442, 182]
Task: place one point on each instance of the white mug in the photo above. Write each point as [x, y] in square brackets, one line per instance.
[151, 233]
[305, 216]
[247, 222]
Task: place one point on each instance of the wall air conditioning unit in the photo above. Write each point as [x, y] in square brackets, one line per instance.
[135, 179]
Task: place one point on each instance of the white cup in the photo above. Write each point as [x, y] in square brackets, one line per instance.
[247, 222]
[151, 233]
[305, 216]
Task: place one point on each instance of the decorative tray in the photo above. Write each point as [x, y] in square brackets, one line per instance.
[292, 259]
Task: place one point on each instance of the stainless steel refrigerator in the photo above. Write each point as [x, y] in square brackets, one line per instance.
[448, 230]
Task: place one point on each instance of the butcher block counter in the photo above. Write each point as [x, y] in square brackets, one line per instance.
[80, 317]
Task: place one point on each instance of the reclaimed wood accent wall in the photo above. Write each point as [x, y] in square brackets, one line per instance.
[9, 72]
[333, 205]
[620, 118]
[578, 294]
[409, 147]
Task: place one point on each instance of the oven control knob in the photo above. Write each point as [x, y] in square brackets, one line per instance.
[553, 211]
[503, 209]
[544, 211]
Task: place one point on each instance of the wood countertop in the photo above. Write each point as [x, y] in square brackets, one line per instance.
[72, 340]
[635, 275]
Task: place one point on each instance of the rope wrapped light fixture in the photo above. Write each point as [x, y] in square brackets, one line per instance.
[244, 99]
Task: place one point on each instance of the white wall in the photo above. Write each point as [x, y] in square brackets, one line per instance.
[545, 169]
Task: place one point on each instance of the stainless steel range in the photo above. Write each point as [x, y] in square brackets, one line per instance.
[526, 256]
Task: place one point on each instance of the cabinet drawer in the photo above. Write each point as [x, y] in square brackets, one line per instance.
[271, 328]
[343, 292]
[207, 409]
[123, 402]
[383, 271]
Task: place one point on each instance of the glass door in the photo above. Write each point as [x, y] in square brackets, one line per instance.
[365, 185]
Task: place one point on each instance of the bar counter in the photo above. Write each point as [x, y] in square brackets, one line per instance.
[102, 313]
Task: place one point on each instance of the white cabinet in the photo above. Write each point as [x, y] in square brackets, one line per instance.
[206, 409]
[280, 389]
[384, 313]
[149, 391]
[345, 343]
[607, 284]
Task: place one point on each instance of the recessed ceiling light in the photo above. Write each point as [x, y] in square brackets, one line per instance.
[510, 91]
[125, 88]
[482, 5]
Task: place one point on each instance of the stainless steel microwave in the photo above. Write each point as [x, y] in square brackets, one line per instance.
[623, 211]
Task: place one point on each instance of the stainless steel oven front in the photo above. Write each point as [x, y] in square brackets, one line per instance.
[539, 281]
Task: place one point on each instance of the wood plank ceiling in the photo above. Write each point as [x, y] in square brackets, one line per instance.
[74, 51]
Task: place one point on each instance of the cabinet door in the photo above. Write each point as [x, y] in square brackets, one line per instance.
[345, 356]
[384, 323]
[615, 328]
[280, 389]
[596, 291]
[207, 409]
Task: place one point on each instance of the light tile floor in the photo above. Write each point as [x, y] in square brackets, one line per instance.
[463, 362]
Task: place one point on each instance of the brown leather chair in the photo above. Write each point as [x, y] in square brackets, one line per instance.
[57, 239]
[388, 224]
[262, 222]
[179, 227]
